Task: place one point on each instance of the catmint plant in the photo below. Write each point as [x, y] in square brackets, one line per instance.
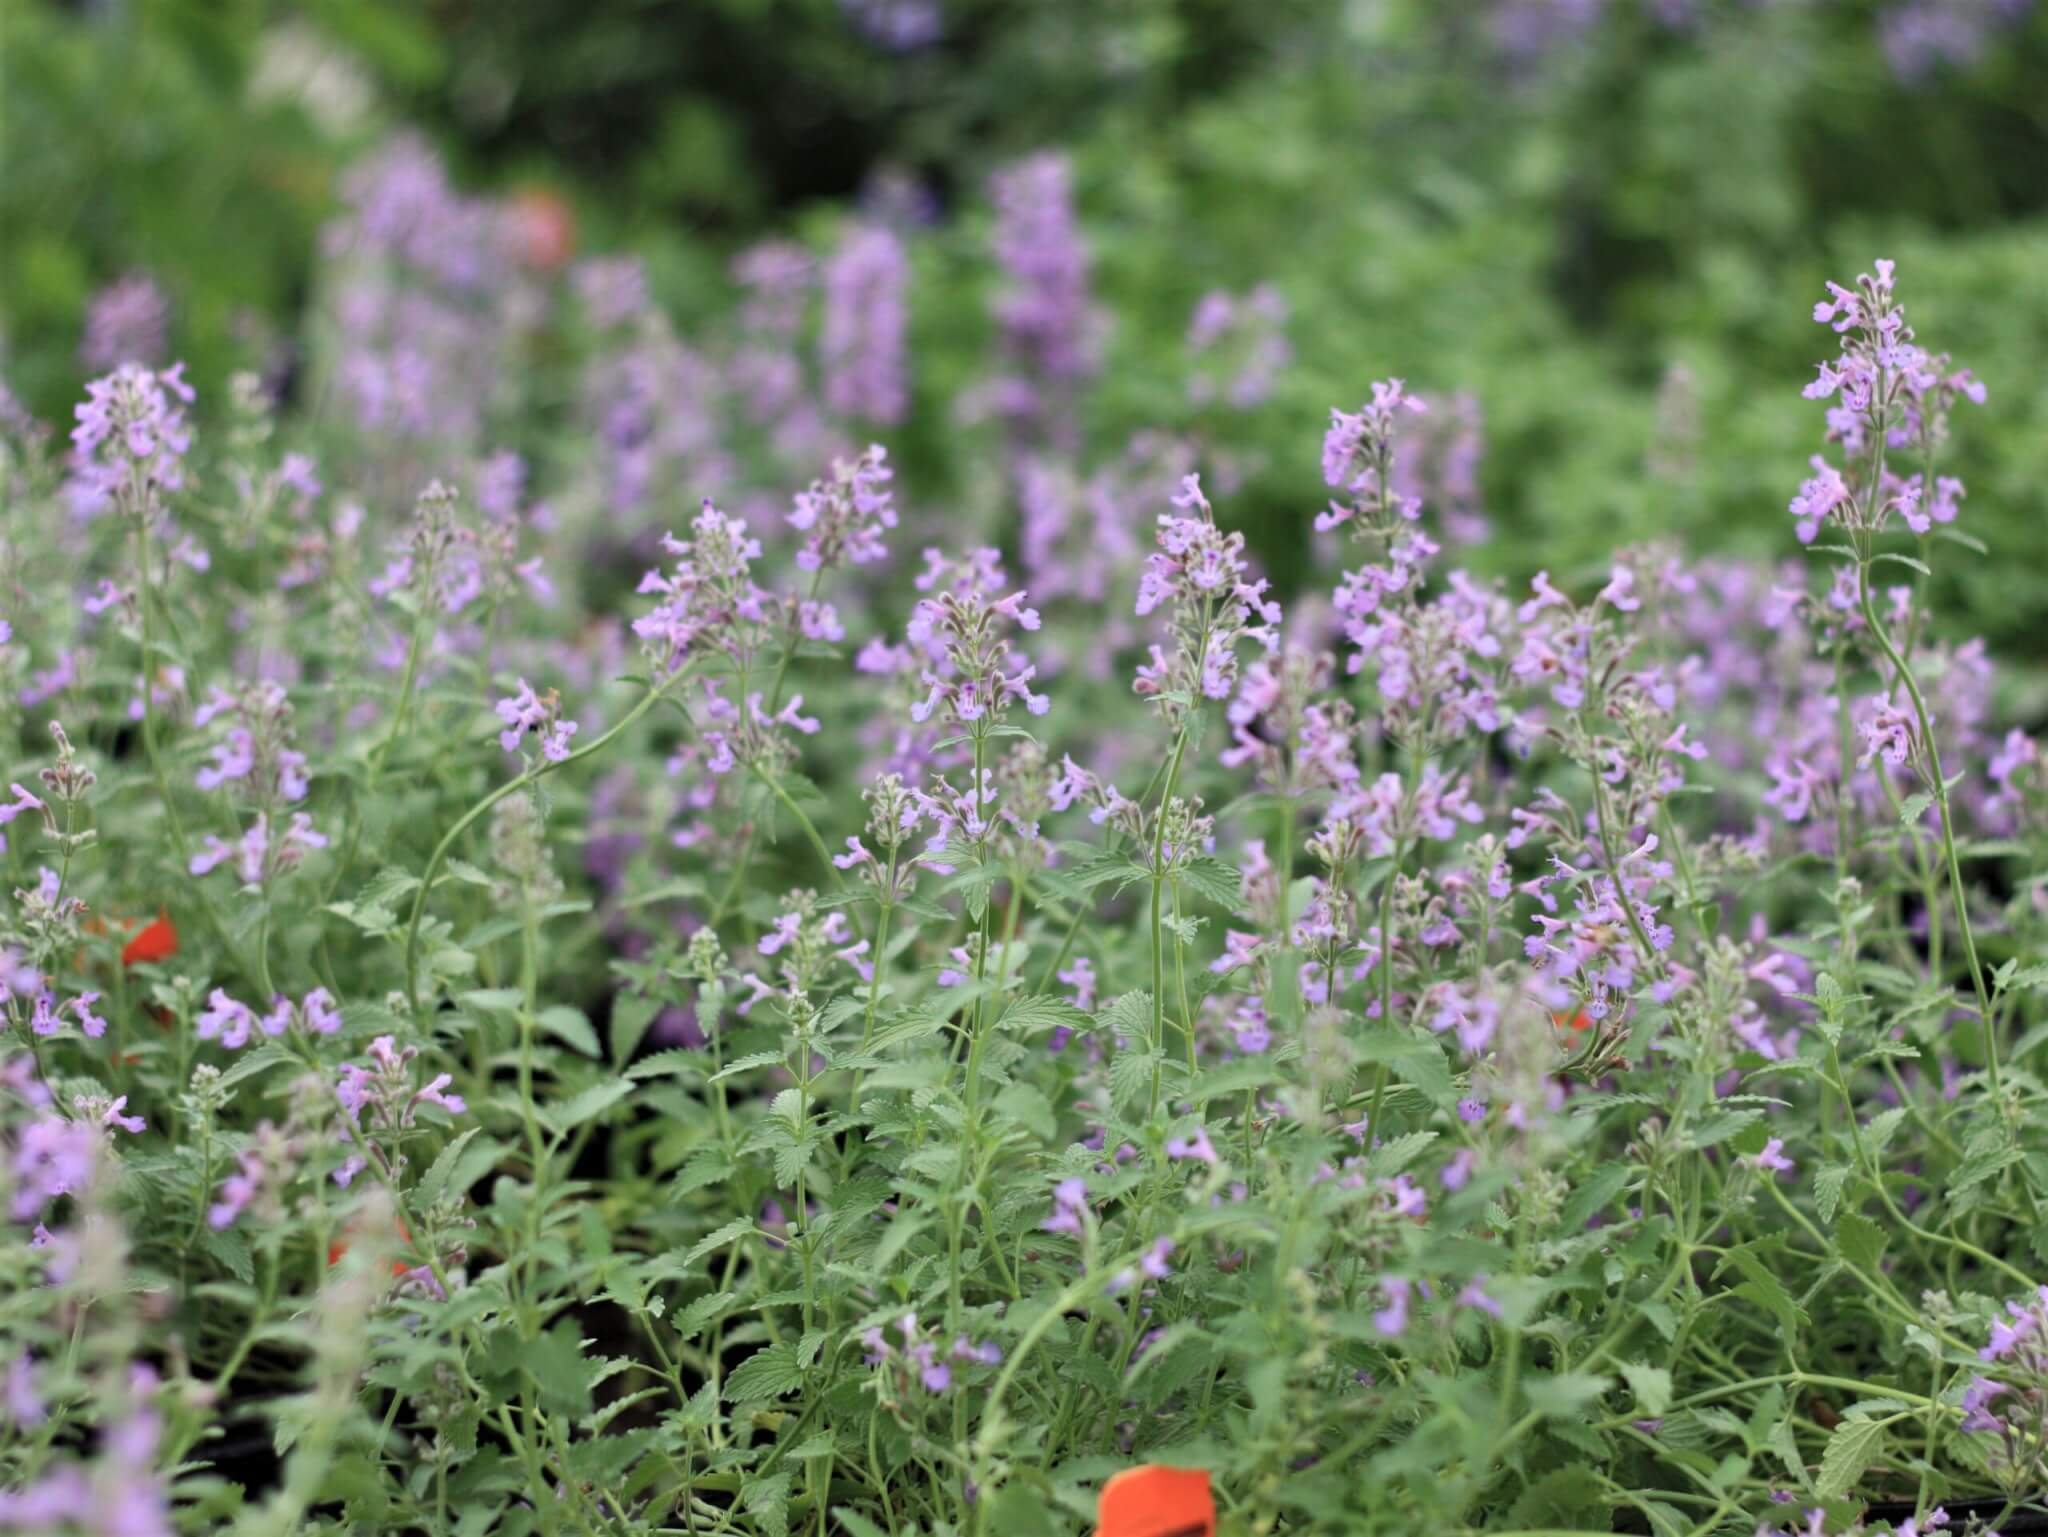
[843, 1037]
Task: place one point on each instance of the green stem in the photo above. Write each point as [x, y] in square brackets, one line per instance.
[1939, 788]
[1158, 1042]
[441, 850]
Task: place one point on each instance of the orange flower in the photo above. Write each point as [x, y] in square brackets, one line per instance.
[156, 942]
[1154, 1501]
[339, 1247]
[546, 228]
[1579, 1021]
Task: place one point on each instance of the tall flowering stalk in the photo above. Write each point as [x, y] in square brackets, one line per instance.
[1198, 577]
[1891, 394]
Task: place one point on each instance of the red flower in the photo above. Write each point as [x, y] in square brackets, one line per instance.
[339, 1247]
[1154, 1501]
[158, 941]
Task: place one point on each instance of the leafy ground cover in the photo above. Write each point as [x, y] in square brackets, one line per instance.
[627, 927]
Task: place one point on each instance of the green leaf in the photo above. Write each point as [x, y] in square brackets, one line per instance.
[1214, 879]
[682, 886]
[1850, 1452]
[231, 1250]
[1018, 1510]
[493, 1000]
[434, 1183]
[1392, 1157]
[856, 1524]
[1761, 1285]
[739, 1227]
[1652, 1387]
[556, 1362]
[1418, 1060]
[591, 1103]
[1877, 1135]
[572, 1027]
[1030, 1109]
[768, 1373]
[908, 1027]
[1828, 1181]
[254, 1063]
[1719, 1128]
[386, 887]
[1568, 1499]
[699, 1315]
[1129, 1016]
[1042, 1011]
[1592, 1196]
[748, 1064]
[1975, 1171]
[1862, 1241]
[677, 1061]
[632, 1014]
[1566, 1394]
[1130, 1075]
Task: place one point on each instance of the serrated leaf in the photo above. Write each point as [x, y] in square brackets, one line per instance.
[1592, 1195]
[909, 1027]
[768, 1373]
[1129, 1017]
[1828, 1181]
[592, 1102]
[560, 1370]
[1761, 1285]
[1391, 1158]
[1850, 1452]
[747, 1064]
[700, 1314]
[493, 1000]
[1719, 1128]
[739, 1227]
[434, 1183]
[1565, 1394]
[1042, 1011]
[1212, 878]
[572, 1027]
[254, 1063]
[1030, 1109]
[666, 1064]
[632, 1014]
[1862, 1241]
[1652, 1387]
[1877, 1135]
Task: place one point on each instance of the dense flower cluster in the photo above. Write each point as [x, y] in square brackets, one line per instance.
[1434, 1059]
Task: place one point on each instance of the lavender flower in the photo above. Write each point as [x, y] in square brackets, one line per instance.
[382, 1098]
[131, 439]
[1049, 328]
[1240, 344]
[844, 517]
[1771, 1157]
[540, 714]
[862, 340]
[1199, 574]
[709, 600]
[1070, 1208]
[125, 323]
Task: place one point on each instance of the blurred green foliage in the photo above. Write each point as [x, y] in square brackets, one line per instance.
[1551, 234]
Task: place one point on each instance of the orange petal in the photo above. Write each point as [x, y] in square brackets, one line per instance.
[339, 1247]
[1153, 1501]
[157, 942]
